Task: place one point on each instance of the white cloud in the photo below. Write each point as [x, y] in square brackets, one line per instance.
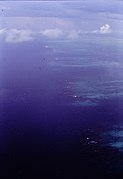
[15, 36]
[52, 33]
[103, 29]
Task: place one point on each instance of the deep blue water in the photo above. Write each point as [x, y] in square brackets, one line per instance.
[61, 109]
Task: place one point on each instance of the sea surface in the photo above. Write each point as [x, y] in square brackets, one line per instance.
[61, 109]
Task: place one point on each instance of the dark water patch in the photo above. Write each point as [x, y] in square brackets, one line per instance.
[59, 141]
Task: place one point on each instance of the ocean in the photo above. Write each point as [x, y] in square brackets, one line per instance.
[61, 109]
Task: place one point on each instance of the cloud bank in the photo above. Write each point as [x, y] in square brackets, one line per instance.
[15, 36]
[22, 35]
[52, 33]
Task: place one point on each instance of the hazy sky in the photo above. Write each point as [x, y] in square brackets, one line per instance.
[24, 21]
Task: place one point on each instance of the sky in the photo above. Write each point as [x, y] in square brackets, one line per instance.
[65, 20]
